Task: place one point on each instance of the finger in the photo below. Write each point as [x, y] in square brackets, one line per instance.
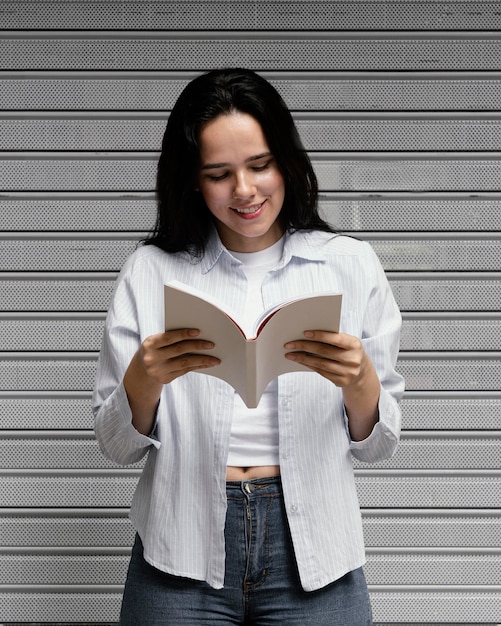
[340, 340]
[185, 347]
[190, 363]
[174, 336]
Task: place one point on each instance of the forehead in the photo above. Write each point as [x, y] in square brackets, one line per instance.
[230, 133]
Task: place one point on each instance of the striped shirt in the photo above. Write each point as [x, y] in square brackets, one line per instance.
[179, 505]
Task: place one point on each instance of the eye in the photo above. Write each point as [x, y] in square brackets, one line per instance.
[215, 178]
[260, 168]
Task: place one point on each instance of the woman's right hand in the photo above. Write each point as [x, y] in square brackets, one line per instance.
[166, 356]
[159, 360]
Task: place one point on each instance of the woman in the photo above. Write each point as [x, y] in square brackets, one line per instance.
[246, 516]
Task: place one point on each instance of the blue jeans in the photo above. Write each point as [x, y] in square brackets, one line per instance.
[262, 585]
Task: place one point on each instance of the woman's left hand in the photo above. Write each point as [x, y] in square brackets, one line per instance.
[336, 356]
[342, 359]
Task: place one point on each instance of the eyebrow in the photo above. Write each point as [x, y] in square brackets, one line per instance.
[210, 166]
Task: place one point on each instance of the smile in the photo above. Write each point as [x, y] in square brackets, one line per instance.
[249, 210]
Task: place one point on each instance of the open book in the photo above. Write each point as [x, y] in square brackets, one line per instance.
[249, 363]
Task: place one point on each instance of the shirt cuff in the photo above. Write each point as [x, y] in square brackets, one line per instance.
[383, 440]
[118, 438]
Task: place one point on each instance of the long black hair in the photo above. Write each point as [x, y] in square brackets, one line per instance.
[183, 219]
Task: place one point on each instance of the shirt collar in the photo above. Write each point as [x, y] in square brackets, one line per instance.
[299, 244]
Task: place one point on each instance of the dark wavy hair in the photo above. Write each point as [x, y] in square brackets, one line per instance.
[183, 219]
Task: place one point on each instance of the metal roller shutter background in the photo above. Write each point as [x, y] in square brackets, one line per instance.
[398, 104]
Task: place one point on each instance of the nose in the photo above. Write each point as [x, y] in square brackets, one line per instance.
[244, 186]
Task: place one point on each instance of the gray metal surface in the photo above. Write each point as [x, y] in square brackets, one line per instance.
[119, 212]
[254, 14]
[301, 51]
[398, 104]
[321, 132]
[60, 332]
[325, 91]
[423, 291]
[348, 172]
[96, 252]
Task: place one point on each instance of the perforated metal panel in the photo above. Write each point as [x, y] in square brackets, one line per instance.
[255, 14]
[455, 411]
[76, 372]
[83, 213]
[461, 292]
[96, 252]
[323, 51]
[62, 253]
[115, 212]
[431, 528]
[33, 411]
[415, 489]
[137, 173]
[449, 372]
[68, 528]
[85, 333]
[325, 91]
[144, 133]
[68, 450]
[398, 104]
[423, 213]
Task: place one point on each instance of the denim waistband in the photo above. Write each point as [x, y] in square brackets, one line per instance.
[263, 485]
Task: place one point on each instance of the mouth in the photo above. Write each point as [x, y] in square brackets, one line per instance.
[250, 210]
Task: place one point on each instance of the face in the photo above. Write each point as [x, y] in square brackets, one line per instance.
[241, 182]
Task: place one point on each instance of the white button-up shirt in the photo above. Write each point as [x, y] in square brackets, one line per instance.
[179, 506]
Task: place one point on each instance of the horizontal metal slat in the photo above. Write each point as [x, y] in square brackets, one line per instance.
[391, 605]
[46, 569]
[398, 212]
[448, 332]
[451, 410]
[448, 252]
[445, 291]
[92, 528]
[450, 371]
[257, 14]
[400, 489]
[436, 450]
[430, 411]
[59, 332]
[381, 172]
[77, 488]
[432, 529]
[422, 371]
[446, 604]
[349, 172]
[382, 568]
[54, 606]
[325, 50]
[108, 528]
[92, 292]
[319, 132]
[348, 212]
[47, 292]
[64, 252]
[129, 91]
[428, 489]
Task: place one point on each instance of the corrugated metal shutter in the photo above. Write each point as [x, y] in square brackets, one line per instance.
[398, 103]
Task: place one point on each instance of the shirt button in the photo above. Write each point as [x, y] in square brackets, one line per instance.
[285, 456]
[294, 508]
[285, 401]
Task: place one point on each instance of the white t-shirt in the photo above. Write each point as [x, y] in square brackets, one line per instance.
[254, 432]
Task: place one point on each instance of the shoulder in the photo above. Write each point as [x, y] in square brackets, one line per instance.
[332, 244]
[147, 259]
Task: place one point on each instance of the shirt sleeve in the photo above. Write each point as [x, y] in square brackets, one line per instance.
[117, 437]
[381, 339]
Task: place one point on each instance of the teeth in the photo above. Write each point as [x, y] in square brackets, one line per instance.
[251, 209]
